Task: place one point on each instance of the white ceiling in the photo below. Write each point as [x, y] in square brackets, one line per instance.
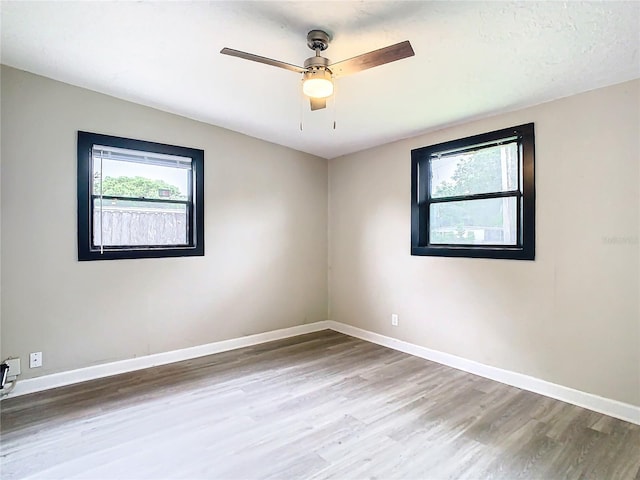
[472, 59]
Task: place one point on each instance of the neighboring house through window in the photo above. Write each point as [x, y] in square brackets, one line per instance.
[475, 197]
[138, 199]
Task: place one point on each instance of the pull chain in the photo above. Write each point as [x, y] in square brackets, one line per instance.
[335, 103]
[302, 99]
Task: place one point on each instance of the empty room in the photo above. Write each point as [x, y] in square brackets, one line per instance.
[320, 240]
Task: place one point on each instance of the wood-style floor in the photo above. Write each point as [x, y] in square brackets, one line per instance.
[322, 405]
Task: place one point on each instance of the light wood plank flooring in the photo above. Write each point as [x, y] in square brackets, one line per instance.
[322, 405]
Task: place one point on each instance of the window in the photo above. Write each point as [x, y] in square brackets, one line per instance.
[475, 197]
[138, 199]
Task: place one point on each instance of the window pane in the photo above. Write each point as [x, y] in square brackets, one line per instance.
[491, 169]
[139, 176]
[127, 222]
[490, 221]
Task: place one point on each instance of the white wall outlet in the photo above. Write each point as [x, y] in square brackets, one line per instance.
[14, 368]
[394, 319]
[35, 360]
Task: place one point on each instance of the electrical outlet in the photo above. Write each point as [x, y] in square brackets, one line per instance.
[394, 319]
[35, 360]
[14, 368]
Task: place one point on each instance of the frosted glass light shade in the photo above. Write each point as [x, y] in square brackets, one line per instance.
[317, 84]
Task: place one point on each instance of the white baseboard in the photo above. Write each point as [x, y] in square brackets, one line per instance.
[613, 408]
[61, 379]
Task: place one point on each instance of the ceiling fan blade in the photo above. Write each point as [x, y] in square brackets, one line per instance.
[373, 59]
[318, 103]
[259, 59]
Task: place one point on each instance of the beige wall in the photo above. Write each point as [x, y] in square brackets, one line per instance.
[572, 316]
[266, 237]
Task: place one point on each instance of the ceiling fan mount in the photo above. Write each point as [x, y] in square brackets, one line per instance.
[318, 40]
[318, 73]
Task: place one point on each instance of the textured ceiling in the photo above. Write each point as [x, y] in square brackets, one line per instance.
[472, 59]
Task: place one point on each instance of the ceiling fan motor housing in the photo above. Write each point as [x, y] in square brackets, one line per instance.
[317, 62]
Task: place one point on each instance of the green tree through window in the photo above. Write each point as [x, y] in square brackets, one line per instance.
[137, 187]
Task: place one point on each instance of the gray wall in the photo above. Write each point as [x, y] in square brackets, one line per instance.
[572, 316]
[266, 237]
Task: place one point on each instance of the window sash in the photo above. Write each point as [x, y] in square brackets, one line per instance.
[518, 233]
[101, 247]
[427, 193]
[428, 200]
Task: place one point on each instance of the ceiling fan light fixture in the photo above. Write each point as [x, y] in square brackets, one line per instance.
[318, 71]
[317, 84]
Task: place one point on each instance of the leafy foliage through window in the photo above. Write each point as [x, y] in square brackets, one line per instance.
[138, 199]
[475, 196]
[137, 187]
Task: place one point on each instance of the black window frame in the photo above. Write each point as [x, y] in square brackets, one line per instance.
[421, 198]
[194, 204]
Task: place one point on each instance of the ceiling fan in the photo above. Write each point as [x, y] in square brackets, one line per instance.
[318, 72]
